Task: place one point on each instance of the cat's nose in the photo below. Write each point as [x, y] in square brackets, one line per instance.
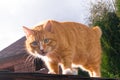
[42, 50]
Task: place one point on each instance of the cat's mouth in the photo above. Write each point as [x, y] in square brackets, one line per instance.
[43, 52]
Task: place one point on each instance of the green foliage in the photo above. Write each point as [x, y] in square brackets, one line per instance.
[110, 25]
[111, 45]
[118, 7]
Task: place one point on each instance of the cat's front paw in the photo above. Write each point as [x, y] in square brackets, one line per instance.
[67, 72]
[51, 72]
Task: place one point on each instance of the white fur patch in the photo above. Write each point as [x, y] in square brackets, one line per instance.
[44, 58]
[75, 71]
[67, 71]
[75, 66]
[92, 74]
[40, 56]
[95, 75]
[47, 59]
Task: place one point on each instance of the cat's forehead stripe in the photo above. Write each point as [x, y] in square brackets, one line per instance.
[41, 47]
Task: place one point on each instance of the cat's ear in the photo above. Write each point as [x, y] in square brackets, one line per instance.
[27, 31]
[47, 26]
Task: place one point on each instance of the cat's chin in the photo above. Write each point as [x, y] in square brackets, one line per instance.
[44, 58]
[43, 53]
[39, 55]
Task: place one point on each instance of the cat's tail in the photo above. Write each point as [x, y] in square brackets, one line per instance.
[98, 31]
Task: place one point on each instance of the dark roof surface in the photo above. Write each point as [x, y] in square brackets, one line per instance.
[40, 76]
[15, 49]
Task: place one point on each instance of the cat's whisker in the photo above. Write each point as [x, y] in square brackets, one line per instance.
[29, 58]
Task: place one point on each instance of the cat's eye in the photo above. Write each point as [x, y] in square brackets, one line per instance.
[34, 43]
[46, 40]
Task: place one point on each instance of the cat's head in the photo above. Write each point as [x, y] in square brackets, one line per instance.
[39, 42]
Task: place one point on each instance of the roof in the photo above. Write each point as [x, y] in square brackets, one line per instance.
[15, 49]
[40, 76]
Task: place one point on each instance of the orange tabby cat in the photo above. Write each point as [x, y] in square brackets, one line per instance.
[68, 44]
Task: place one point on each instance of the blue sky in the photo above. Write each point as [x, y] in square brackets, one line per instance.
[16, 13]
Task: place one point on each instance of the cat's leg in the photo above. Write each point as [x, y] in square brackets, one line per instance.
[94, 71]
[66, 70]
[52, 67]
[66, 65]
